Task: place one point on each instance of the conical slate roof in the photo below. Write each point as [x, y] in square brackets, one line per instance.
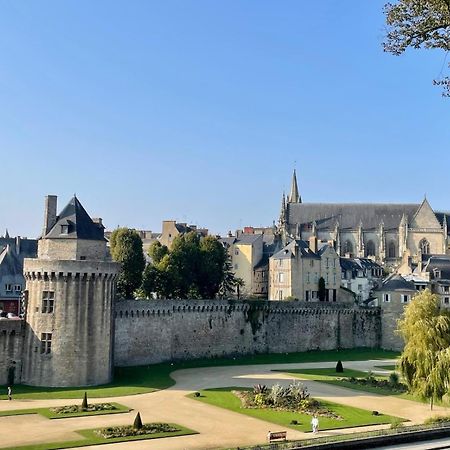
[74, 222]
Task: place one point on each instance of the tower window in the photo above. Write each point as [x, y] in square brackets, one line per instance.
[392, 250]
[46, 343]
[48, 302]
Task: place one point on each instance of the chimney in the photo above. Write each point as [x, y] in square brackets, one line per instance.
[98, 221]
[49, 213]
[313, 244]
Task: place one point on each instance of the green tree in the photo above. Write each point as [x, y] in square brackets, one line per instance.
[228, 283]
[137, 424]
[126, 248]
[239, 285]
[425, 360]
[211, 269]
[322, 291]
[157, 251]
[419, 24]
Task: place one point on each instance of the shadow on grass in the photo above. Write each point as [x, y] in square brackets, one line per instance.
[144, 379]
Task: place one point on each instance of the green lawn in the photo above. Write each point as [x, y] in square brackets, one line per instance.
[387, 367]
[46, 412]
[352, 417]
[143, 379]
[90, 438]
[329, 376]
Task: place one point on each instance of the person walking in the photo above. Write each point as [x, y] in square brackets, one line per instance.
[9, 393]
[315, 424]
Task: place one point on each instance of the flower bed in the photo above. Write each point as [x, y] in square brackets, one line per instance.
[398, 387]
[70, 409]
[294, 398]
[125, 431]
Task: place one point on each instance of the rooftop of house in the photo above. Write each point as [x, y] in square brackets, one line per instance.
[397, 283]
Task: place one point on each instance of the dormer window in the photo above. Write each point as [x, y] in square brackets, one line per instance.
[437, 273]
[65, 229]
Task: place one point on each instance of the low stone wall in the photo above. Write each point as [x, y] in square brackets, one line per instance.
[11, 331]
[153, 331]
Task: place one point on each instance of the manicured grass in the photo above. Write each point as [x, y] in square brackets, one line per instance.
[352, 417]
[324, 373]
[90, 438]
[387, 367]
[143, 379]
[329, 376]
[46, 412]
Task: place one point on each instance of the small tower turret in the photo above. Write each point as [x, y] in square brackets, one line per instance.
[70, 289]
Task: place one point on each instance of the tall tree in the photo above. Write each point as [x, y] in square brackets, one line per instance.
[212, 259]
[419, 24]
[157, 251]
[425, 360]
[229, 280]
[322, 291]
[126, 248]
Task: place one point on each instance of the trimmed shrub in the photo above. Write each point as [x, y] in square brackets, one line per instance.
[84, 404]
[196, 394]
[339, 367]
[294, 422]
[375, 413]
[437, 419]
[137, 424]
[394, 379]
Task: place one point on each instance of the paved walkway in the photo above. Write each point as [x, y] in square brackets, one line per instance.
[217, 427]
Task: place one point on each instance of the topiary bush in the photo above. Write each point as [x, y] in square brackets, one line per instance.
[84, 404]
[339, 367]
[137, 424]
[394, 379]
[196, 394]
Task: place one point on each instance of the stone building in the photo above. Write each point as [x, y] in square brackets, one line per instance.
[70, 288]
[361, 276]
[13, 250]
[392, 296]
[171, 229]
[382, 232]
[294, 272]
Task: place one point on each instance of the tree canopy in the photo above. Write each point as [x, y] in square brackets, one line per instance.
[193, 268]
[419, 24]
[425, 361]
[126, 248]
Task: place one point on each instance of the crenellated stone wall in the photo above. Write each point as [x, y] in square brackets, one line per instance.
[148, 332]
[11, 339]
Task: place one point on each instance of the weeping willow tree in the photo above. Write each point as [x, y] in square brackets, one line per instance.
[425, 361]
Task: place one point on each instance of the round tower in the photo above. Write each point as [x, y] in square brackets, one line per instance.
[70, 289]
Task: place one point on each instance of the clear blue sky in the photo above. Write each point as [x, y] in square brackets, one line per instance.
[198, 110]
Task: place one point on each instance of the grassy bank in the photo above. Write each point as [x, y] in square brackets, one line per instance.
[144, 379]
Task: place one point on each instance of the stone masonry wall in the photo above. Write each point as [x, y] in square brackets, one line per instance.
[148, 332]
[10, 349]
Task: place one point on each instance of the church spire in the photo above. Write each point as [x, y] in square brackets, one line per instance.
[295, 196]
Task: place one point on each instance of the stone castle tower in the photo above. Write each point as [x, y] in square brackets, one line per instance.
[70, 288]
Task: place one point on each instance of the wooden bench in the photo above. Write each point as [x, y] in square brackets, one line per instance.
[276, 436]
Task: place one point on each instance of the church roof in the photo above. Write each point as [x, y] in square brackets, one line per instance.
[79, 224]
[350, 215]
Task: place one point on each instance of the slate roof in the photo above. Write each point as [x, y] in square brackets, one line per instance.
[80, 225]
[10, 263]
[349, 215]
[397, 283]
[289, 250]
[441, 263]
[358, 264]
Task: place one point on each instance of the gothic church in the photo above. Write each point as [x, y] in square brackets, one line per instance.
[384, 232]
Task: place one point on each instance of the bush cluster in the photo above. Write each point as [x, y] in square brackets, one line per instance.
[294, 397]
[124, 431]
[392, 383]
[437, 419]
[79, 408]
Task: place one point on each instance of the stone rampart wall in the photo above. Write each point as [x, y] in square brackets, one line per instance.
[148, 332]
[11, 331]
